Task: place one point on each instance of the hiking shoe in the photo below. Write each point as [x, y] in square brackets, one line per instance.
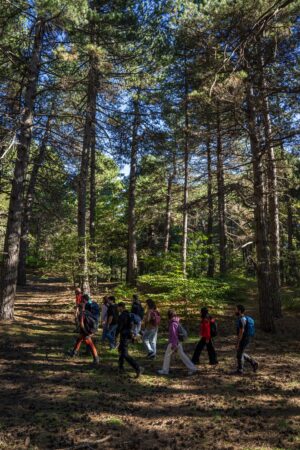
[255, 367]
[151, 356]
[72, 353]
[96, 361]
[121, 370]
[213, 363]
[192, 372]
[139, 372]
[162, 372]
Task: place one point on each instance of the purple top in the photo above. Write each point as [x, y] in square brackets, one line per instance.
[173, 331]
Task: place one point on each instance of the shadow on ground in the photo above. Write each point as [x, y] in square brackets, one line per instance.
[51, 402]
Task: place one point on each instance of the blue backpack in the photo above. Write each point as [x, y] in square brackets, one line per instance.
[250, 329]
[135, 319]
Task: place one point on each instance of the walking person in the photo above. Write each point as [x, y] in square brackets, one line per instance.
[206, 339]
[151, 323]
[174, 345]
[88, 325]
[124, 329]
[111, 322]
[138, 311]
[245, 330]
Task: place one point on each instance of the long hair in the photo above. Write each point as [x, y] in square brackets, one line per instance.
[150, 303]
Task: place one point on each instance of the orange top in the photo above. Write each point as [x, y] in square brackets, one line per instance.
[78, 299]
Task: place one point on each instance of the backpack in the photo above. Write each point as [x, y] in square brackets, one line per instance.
[250, 327]
[155, 318]
[134, 319]
[213, 328]
[91, 318]
[182, 333]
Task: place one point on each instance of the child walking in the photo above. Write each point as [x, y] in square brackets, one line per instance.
[206, 339]
[174, 345]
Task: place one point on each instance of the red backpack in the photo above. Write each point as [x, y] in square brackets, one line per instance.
[155, 318]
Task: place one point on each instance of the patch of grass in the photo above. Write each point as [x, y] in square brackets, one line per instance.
[113, 420]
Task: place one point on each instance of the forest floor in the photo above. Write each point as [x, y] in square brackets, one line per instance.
[48, 401]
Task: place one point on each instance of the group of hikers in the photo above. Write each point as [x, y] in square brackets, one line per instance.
[125, 327]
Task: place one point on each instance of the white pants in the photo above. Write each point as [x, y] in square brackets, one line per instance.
[184, 358]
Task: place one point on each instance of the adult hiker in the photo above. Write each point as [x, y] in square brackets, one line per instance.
[88, 325]
[151, 324]
[207, 327]
[174, 345]
[111, 322]
[245, 329]
[138, 311]
[124, 329]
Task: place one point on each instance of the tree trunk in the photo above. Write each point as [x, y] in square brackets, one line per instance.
[9, 272]
[221, 200]
[273, 208]
[168, 212]
[29, 205]
[186, 178]
[84, 170]
[132, 264]
[261, 236]
[211, 258]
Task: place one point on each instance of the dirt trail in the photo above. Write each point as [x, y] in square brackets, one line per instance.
[50, 402]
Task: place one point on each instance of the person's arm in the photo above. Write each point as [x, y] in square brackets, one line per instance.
[173, 336]
[241, 331]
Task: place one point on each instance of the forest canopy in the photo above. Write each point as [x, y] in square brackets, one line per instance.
[150, 142]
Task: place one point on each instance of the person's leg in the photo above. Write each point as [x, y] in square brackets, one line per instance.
[154, 341]
[198, 350]
[122, 350]
[240, 356]
[250, 360]
[211, 352]
[185, 359]
[78, 343]
[103, 337]
[146, 341]
[111, 336]
[91, 345]
[167, 359]
[128, 358]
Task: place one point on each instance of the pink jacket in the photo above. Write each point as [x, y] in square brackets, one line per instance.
[173, 331]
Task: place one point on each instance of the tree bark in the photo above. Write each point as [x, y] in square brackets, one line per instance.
[9, 270]
[84, 171]
[38, 162]
[221, 200]
[261, 235]
[132, 263]
[273, 208]
[211, 258]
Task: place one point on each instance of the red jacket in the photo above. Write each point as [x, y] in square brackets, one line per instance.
[205, 328]
[78, 299]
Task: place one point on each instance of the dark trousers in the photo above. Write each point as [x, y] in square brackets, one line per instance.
[241, 356]
[210, 350]
[123, 350]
